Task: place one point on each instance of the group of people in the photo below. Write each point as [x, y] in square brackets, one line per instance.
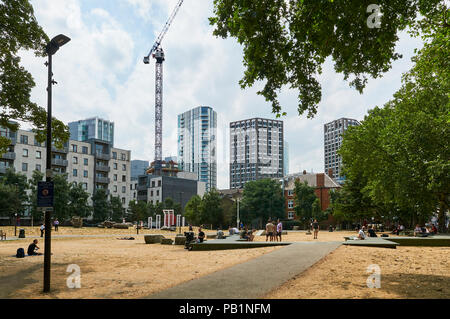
[274, 230]
[426, 230]
[362, 232]
[55, 223]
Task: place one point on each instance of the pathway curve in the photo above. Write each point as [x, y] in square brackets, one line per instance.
[255, 278]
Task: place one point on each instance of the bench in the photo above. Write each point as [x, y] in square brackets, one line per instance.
[2, 235]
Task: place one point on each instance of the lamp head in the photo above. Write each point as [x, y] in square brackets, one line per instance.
[57, 42]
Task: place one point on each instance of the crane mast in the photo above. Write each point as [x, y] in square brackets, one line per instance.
[158, 54]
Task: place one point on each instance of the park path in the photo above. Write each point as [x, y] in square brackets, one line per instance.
[255, 278]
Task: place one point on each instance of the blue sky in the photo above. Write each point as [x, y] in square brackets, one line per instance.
[101, 73]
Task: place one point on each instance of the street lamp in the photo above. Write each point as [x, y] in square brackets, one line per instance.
[50, 49]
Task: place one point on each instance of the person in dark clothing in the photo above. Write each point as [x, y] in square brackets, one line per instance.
[315, 226]
[201, 236]
[32, 248]
[372, 232]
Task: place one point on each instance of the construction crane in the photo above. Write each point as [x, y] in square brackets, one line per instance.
[158, 53]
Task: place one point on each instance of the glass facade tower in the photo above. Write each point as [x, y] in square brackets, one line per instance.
[93, 128]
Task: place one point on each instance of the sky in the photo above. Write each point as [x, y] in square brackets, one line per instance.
[100, 72]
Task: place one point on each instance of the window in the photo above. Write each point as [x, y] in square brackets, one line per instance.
[290, 192]
[75, 160]
[290, 215]
[84, 186]
[74, 148]
[86, 161]
[38, 154]
[115, 177]
[24, 167]
[123, 200]
[115, 166]
[25, 152]
[124, 157]
[124, 167]
[115, 188]
[153, 183]
[85, 173]
[159, 183]
[124, 189]
[124, 178]
[75, 172]
[84, 149]
[23, 139]
[38, 167]
[114, 155]
[36, 143]
[157, 192]
[151, 193]
[291, 204]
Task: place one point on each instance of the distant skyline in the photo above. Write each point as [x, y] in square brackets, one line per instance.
[101, 73]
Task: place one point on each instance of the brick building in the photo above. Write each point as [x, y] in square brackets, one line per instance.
[320, 181]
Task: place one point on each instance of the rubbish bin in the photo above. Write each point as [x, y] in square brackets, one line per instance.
[21, 233]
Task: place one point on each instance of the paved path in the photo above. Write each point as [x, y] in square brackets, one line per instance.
[255, 278]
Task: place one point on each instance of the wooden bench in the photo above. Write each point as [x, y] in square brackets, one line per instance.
[2, 235]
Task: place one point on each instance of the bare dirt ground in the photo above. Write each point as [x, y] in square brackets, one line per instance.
[110, 268]
[406, 272]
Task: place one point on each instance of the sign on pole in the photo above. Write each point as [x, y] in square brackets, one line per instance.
[45, 194]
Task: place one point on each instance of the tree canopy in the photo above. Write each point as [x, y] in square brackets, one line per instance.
[285, 43]
[21, 31]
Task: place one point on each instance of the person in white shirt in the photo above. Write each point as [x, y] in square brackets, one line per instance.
[42, 230]
[361, 234]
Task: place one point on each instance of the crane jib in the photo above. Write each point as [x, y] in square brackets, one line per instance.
[165, 29]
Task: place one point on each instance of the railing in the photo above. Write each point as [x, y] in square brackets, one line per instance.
[59, 162]
[102, 168]
[102, 180]
[9, 156]
[103, 156]
[62, 150]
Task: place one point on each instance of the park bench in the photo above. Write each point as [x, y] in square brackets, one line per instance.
[2, 235]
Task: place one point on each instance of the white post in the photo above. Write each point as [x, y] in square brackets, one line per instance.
[150, 223]
[237, 216]
[183, 221]
[178, 220]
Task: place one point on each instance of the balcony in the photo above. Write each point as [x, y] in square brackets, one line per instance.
[9, 156]
[103, 156]
[102, 180]
[102, 168]
[59, 162]
[142, 187]
[64, 150]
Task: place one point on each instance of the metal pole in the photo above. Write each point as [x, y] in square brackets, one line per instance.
[237, 219]
[48, 226]
[15, 225]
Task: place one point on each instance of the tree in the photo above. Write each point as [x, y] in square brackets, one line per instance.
[137, 210]
[304, 198]
[211, 211]
[32, 199]
[10, 202]
[78, 201]
[262, 199]
[60, 196]
[19, 182]
[117, 210]
[287, 42]
[192, 210]
[402, 149]
[20, 31]
[100, 205]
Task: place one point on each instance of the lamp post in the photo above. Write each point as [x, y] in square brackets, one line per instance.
[50, 49]
[15, 224]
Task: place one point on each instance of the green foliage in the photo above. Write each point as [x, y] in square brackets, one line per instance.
[262, 199]
[192, 211]
[20, 31]
[287, 42]
[289, 224]
[101, 205]
[304, 198]
[10, 202]
[211, 211]
[138, 211]
[61, 197]
[400, 154]
[78, 202]
[32, 199]
[117, 210]
[19, 182]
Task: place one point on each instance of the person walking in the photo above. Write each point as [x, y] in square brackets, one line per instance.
[42, 230]
[279, 230]
[56, 224]
[315, 226]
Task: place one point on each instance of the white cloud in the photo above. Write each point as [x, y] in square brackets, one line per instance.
[100, 72]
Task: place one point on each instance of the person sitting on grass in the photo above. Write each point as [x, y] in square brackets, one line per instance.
[201, 235]
[220, 234]
[250, 235]
[371, 232]
[418, 230]
[361, 234]
[434, 229]
[32, 249]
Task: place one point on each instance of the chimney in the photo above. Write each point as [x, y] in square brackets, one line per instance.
[320, 180]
